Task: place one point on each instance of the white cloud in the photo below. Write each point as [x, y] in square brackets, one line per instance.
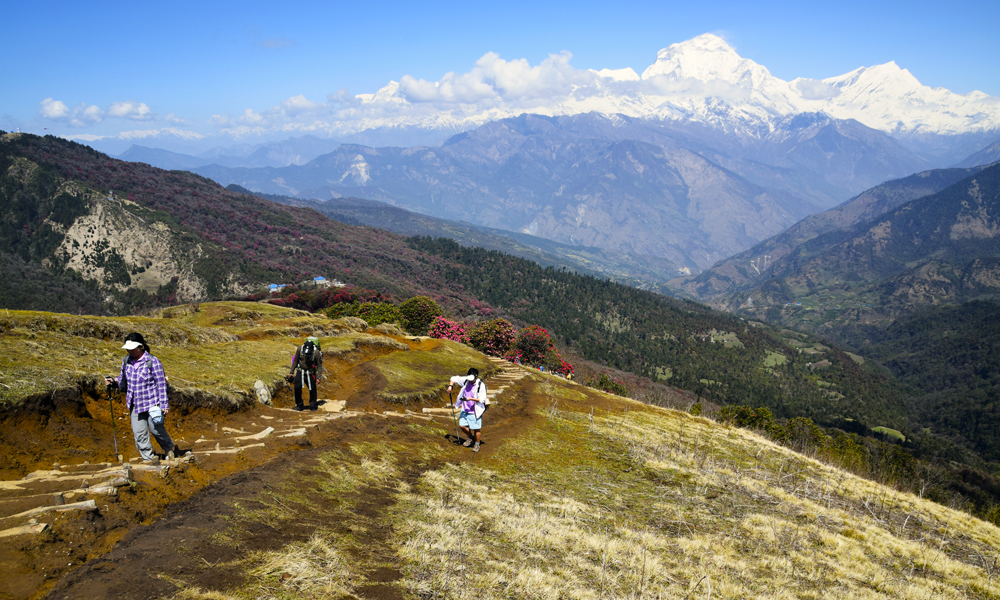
[812, 89]
[92, 114]
[220, 120]
[299, 104]
[136, 111]
[251, 117]
[53, 109]
[343, 97]
[84, 116]
[495, 80]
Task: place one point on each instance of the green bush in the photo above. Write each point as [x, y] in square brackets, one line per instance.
[759, 418]
[606, 384]
[492, 337]
[417, 314]
[374, 313]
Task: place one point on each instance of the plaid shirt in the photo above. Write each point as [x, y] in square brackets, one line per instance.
[146, 386]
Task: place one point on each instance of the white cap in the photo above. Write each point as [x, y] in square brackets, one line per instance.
[131, 345]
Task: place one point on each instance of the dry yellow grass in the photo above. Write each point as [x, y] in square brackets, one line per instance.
[662, 505]
[638, 503]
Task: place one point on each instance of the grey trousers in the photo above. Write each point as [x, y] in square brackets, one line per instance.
[142, 426]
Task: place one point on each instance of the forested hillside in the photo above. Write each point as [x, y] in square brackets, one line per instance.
[687, 345]
[770, 258]
[78, 220]
[947, 358]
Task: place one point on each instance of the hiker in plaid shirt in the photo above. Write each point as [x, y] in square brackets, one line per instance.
[145, 397]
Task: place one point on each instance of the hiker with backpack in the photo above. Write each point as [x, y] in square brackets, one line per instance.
[472, 402]
[142, 379]
[307, 370]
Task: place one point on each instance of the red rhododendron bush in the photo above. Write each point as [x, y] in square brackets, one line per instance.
[446, 329]
[532, 345]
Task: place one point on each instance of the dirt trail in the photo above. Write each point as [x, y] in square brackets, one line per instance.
[160, 525]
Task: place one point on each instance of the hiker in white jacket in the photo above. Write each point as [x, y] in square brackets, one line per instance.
[472, 402]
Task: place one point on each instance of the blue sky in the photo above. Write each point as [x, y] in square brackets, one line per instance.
[143, 64]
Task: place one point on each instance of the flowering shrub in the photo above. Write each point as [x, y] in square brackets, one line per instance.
[417, 313]
[447, 329]
[492, 337]
[535, 345]
[315, 300]
[514, 356]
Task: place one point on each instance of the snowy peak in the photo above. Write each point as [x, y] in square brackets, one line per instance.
[708, 67]
[890, 98]
[880, 79]
[706, 58]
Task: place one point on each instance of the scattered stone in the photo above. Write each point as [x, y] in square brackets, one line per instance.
[263, 394]
[33, 528]
[86, 505]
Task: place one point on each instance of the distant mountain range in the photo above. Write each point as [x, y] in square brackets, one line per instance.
[702, 81]
[646, 273]
[293, 151]
[986, 156]
[689, 194]
[759, 264]
[926, 240]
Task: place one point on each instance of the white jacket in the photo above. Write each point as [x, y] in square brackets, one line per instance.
[479, 391]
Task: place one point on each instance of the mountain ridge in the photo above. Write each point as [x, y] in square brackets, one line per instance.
[622, 184]
[701, 80]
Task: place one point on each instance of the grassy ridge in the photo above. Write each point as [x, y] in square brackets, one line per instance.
[634, 501]
[220, 349]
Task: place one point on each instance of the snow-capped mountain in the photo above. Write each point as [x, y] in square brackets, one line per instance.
[704, 80]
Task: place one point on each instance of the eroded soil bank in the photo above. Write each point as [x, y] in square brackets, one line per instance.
[175, 523]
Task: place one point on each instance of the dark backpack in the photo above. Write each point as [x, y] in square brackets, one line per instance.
[307, 358]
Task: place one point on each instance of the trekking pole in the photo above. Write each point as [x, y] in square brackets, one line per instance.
[114, 433]
[454, 414]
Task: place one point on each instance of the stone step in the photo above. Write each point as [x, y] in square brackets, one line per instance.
[234, 450]
[39, 479]
[35, 528]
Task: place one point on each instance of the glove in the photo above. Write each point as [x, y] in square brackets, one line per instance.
[289, 378]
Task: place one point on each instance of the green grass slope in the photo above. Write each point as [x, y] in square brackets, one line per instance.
[631, 501]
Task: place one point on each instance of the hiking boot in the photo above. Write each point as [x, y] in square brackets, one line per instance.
[313, 407]
[298, 408]
[476, 447]
[467, 442]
